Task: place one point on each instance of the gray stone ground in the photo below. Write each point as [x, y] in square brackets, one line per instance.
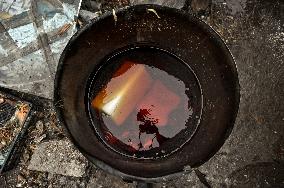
[58, 157]
[253, 155]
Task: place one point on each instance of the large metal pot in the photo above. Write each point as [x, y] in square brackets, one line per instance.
[172, 30]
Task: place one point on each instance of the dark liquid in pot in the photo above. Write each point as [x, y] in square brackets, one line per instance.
[145, 103]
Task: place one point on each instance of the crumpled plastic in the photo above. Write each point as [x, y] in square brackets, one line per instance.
[33, 34]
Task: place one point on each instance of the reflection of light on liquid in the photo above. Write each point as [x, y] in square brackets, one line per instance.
[109, 107]
[120, 96]
[133, 89]
[144, 107]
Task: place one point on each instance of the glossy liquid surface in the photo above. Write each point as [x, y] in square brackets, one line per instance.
[145, 103]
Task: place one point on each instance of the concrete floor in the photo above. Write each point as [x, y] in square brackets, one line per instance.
[253, 155]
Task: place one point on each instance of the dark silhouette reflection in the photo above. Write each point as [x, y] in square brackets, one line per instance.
[148, 126]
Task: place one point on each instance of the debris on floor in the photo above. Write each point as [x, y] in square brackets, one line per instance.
[13, 115]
